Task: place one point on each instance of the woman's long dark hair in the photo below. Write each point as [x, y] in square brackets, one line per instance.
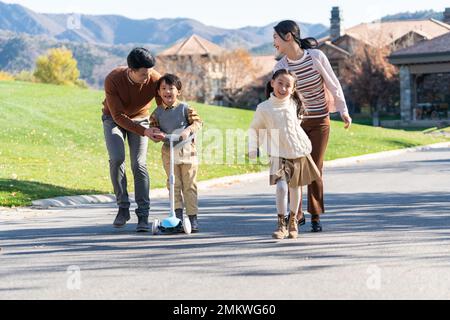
[291, 27]
[295, 96]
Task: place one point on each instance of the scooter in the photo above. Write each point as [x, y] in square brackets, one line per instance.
[172, 224]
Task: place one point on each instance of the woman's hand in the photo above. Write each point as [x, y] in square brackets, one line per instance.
[347, 120]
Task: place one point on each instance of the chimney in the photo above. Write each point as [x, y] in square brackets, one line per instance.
[447, 15]
[336, 28]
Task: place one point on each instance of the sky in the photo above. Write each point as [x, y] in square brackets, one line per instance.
[238, 13]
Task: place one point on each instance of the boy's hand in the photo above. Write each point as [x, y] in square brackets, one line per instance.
[185, 134]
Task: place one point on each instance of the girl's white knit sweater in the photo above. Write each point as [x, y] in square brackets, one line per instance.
[285, 137]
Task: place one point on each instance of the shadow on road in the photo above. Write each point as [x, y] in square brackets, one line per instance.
[238, 229]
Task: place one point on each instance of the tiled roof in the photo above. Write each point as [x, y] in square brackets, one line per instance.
[384, 33]
[381, 34]
[435, 46]
[194, 45]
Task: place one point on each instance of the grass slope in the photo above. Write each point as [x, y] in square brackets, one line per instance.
[51, 143]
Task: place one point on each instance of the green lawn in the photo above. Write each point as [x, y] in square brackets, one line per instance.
[51, 143]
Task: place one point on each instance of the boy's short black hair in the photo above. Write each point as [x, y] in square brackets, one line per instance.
[140, 58]
[171, 80]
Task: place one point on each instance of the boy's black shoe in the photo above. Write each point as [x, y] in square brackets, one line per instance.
[194, 223]
[123, 216]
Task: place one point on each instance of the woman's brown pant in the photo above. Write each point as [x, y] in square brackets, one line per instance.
[318, 131]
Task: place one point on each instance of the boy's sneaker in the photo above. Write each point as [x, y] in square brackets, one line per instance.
[194, 223]
[179, 215]
[143, 225]
[281, 232]
[123, 216]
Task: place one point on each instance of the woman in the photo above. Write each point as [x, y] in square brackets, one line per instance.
[320, 92]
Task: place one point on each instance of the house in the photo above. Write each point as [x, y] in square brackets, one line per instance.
[425, 81]
[212, 75]
[341, 43]
[197, 61]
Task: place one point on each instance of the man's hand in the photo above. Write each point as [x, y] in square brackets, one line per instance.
[155, 134]
[347, 120]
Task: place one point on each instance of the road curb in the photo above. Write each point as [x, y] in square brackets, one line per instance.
[225, 181]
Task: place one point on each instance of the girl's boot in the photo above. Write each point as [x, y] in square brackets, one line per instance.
[293, 226]
[281, 232]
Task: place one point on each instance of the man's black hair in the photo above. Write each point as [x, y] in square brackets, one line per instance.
[140, 58]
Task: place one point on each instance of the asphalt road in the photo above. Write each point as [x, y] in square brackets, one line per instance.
[386, 236]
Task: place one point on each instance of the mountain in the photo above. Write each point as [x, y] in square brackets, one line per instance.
[118, 30]
[101, 42]
[418, 15]
[19, 52]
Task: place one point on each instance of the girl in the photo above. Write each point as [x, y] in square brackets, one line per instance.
[288, 146]
[320, 93]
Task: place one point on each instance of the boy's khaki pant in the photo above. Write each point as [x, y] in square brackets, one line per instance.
[185, 171]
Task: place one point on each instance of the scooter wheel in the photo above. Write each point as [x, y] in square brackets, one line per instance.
[187, 227]
[155, 227]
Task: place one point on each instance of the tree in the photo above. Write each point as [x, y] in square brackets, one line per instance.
[370, 79]
[57, 67]
[5, 76]
[240, 73]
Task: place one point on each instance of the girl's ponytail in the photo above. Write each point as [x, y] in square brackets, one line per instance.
[291, 27]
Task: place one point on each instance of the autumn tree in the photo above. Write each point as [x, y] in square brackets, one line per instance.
[370, 79]
[240, 72]
[57, 67]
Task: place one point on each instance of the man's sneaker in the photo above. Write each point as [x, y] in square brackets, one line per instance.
[143, 225]
[281, 232]
[122, 218]
[194, 223]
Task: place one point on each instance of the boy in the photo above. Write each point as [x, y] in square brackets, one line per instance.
[174, 117]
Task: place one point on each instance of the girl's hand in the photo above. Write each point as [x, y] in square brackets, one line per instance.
[347, 120]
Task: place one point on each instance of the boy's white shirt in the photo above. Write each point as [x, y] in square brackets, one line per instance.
[284, 136]
[333, 90]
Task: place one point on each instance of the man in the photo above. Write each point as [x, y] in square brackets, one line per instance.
[129, 92]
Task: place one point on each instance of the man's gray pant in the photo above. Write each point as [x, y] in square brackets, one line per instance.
[115, 137]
